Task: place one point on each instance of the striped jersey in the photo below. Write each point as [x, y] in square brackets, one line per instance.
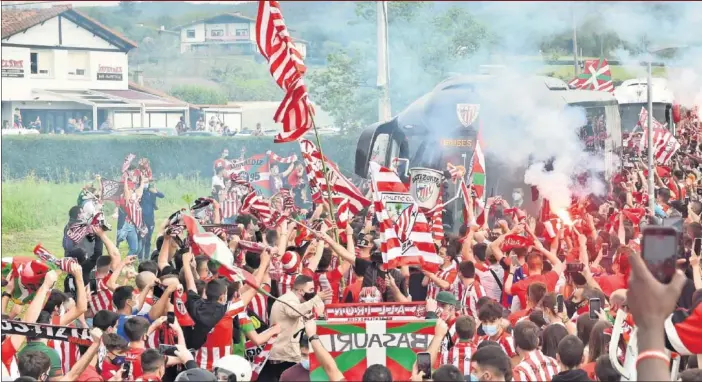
[68, 352]
[468, 296]
[285, 283]
[459, 355]
[134, 212]
[535, 367]
[219, 340]
[101, 299]
[259, 304]
[329, 280]
[449, 274]
[505, 340]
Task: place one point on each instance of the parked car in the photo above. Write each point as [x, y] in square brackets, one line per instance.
[19, 132]
[199, 134]
[162, 131]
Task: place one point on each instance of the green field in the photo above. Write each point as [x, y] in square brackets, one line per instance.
[35, 211]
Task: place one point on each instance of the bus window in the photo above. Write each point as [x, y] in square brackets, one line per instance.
[630, 114]
[384, 150]
[594, 133]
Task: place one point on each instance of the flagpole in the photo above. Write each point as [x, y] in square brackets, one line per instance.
[330, 200]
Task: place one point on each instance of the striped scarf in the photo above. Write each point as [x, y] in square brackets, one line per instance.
[275, 158]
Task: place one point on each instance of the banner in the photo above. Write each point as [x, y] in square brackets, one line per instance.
[80, 336]
[357, 345]
[407, 311]
[258, 355]
[257, 169]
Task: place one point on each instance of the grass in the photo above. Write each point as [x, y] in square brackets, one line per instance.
[35, 211]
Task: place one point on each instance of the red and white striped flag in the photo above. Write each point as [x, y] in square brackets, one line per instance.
[343, 214]
[287, 68]
[419, 247]
[341, 186]
[664, 144]
[127, 162]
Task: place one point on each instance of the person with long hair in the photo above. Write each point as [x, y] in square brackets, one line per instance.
[597, 346]
[550, 338]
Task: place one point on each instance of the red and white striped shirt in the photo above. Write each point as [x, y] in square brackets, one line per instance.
[505, 340]
[285, 283]
[134, 213]
[259, 304]
[219, 340]
[469, 296]
[459, 355]
[535, 367]
[449, 274]
[230, 205]
[68, 352]
[102, 298]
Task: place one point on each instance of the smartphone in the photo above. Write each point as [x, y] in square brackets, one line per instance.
[574, 267]
[611, 211]
[167, 349]
[170, 317]
[158, 290]
[424, 364]
[595, 306]
[127, 368]
[559, 303]
[687, 200]
[93, 286]
[697, 246]
[699, 191]
[605, 249]
[659, 249]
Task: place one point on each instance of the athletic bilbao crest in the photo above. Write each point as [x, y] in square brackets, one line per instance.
[467, 113]
[426, 185]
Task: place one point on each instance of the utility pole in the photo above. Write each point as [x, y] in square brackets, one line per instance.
[384, 110]
[575, 42]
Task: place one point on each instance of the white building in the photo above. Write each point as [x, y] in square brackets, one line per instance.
[227, 32]
[59, 64]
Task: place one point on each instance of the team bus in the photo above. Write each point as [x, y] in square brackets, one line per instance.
[432, 131]
[632, 96]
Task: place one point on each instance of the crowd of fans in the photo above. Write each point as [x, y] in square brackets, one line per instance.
[523, 314]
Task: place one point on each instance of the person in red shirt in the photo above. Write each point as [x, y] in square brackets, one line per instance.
[621, 268]
[136, 329]
[116, 347]
[153, 366]
[535, 293]
[535, 264]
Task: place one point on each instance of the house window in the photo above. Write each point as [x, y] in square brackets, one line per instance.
[217, 32]
[242, 32]
[41, 63]
[78, 64]
[190, 33]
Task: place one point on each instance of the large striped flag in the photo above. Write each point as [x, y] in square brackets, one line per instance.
[595, 76]
[357, 345]
[478, 181]
[409, 241]
[26, 282]
[287, 68]
[340, 185]
[664, 143]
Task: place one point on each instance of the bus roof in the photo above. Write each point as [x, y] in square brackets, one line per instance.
[635, 91]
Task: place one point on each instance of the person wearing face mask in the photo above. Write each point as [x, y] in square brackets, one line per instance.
[549, 306]
[444, 307]
[490, 363]
[490, 315]
[517, 198]
[285, 312]
[116, 347]
[301, 371]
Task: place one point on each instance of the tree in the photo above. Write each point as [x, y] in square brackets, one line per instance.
[129, 8]
[342, 89]
[199, 95]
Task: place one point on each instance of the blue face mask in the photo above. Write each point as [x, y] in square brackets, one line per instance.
[490, 330]
[473, 378]
[118, 360]
[305, 363]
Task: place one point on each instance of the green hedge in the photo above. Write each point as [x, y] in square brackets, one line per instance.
[78, 158]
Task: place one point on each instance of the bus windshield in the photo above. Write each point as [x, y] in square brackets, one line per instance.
[630, 114]
[594, 132]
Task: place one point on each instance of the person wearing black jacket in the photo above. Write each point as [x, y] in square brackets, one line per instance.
[148, 208]
[208, 310]
[570, 357]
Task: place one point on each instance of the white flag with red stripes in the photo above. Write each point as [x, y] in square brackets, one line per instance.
[417, 248]
[341, 187]
[287, 68]
[343, 214]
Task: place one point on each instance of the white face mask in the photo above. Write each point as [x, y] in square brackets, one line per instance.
[516, 196]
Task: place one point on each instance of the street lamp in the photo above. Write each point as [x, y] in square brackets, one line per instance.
[649, 94]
